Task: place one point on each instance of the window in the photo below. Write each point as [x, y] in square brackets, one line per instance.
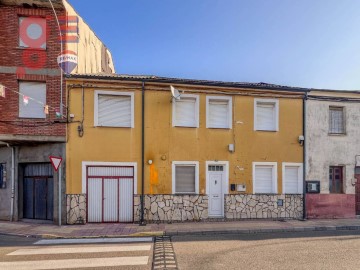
[185, 177]
[266, 115]
[32, 32]
[336, 120]
[218, 112]
[265, 177]
[114, 109]
[292, 175]
[186, 111]
[336, 179]
[34, 105]
[2, 176]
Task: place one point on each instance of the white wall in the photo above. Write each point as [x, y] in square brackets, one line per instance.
[324, 150]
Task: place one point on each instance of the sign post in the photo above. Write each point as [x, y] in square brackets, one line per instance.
[56, 162]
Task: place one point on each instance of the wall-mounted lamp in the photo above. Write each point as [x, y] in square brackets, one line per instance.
[301, 139]
[231, 148]
[150, 161]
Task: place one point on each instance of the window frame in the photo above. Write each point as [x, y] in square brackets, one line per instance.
[112, 93]
[342, 168]
[219, 98]
[300, 176]
[197, 102]
[276, 105]
[274, 175]
[184, 163]
[21, 94]
[342, 108]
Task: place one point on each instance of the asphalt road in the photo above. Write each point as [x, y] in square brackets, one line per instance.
[311, 250]
[19, 253]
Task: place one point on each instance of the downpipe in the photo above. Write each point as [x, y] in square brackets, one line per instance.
[12, 202]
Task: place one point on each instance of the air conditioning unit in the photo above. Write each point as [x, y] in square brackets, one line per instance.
[313, 186]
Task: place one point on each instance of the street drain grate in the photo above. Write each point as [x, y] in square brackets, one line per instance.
[164, 255]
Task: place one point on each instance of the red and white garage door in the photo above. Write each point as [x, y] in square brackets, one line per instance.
[110, 192]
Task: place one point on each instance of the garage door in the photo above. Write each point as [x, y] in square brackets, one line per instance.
[110, 193]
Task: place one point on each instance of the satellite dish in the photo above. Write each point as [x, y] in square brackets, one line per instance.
[175, 93]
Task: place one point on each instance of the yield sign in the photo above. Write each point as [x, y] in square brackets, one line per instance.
[55, 161]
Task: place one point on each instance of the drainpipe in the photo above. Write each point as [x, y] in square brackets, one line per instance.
[304, 155]
[12, 183]
[142, 222]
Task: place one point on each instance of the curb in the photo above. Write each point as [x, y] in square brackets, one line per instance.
[261, 231]
[200, 232]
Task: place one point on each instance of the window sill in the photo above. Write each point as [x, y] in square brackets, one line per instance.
[227, 128]
[337, 134]
[111, 126]
[266, 130]
[30, 48]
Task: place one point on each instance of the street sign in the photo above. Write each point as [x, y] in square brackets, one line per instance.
[55, 161]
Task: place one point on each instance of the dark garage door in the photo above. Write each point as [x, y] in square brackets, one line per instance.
[38, 196]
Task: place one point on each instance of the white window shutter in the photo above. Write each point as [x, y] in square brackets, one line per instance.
[114, 110]
[37, 93]
[185, 112]
[266, 116]
[218, 113]
[185, 178]
[291, 180]
[264, 179]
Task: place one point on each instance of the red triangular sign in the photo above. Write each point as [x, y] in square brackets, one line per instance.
[55, 161]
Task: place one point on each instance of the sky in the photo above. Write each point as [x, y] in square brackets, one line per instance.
[307, 43]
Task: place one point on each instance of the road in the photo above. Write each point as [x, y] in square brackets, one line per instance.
[311, 250]
[18, 253]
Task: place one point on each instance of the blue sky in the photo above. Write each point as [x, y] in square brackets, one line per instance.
[308, 43]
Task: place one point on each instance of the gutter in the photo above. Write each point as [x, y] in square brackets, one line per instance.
[304, 154]
[142, 222]
[12, 203]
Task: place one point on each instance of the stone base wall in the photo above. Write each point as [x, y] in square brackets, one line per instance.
[170, 208]
[75, 208]
[248, 206]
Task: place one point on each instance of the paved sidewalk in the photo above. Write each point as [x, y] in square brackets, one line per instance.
[120, 230]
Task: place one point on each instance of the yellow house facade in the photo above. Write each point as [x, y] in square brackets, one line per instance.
[139, 151]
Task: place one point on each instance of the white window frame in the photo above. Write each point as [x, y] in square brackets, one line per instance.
[334, 107]
[229, 122]
[274, 175]
[300, 176]
[271, 101]
[174, 124]
[190, 163]
[112, 93]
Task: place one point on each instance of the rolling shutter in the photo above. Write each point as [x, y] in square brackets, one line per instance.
[218, 114]
[185, 112]
[264, 179]
[291, 180]
[185, 178]
[114, 110]
[35, 106]
[266, 117]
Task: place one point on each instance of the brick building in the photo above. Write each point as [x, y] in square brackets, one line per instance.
[33, 118]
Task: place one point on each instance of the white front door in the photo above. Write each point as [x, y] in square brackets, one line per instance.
[216, 178]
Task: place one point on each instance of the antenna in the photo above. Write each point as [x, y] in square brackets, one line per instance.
[175, 93]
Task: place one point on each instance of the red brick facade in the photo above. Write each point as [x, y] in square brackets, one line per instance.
[11, 58]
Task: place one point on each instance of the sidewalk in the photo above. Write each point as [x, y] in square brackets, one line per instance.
[121, 230]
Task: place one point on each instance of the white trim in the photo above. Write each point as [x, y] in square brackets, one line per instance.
[112, 93]
[274, 175]
[197, 102]
[300, 176]
[84, 164]
[271, 101]
[229, 99]
[196, 163]
[225, 187]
